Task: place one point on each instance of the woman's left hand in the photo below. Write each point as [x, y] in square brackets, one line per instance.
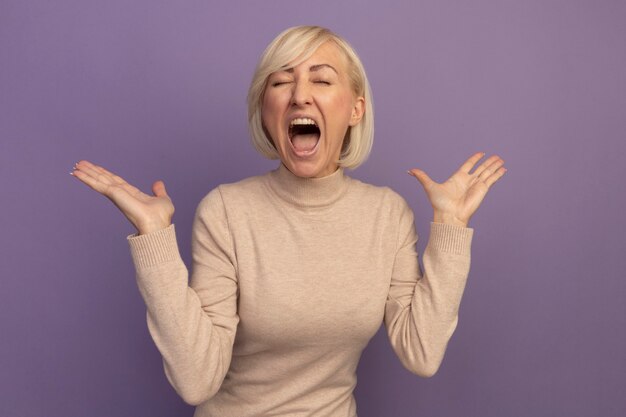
[458, 198]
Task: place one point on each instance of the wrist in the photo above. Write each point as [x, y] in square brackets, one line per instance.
[446, 218]
[152, 227]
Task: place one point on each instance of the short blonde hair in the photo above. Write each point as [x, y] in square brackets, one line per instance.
[290, 48]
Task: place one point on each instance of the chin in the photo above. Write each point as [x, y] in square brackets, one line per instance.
[304, 169]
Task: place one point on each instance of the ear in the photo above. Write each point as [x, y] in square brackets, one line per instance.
[358, 110]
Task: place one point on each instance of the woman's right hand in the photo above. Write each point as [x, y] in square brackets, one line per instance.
[147, 213]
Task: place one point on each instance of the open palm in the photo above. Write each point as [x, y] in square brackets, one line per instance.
[147, 213]
[458, 198]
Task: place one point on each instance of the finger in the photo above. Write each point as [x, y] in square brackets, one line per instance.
[91, 181]
[95, 170]
[115, 178]
[422, 177]
[99, 179]
[87, 171]
[489, 181]
[158, 188]
[106, 177]
[84, 164]
[490, 169]
[485, 165]
[471, 161]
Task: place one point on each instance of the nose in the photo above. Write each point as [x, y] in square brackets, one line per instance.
[301, 93]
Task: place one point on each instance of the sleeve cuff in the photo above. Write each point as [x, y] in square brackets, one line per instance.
[450, 238]
[154, 248]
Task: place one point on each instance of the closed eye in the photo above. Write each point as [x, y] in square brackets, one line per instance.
[322, 82]
[278, 83]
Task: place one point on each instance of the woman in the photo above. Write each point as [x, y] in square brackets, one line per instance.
[294, 271]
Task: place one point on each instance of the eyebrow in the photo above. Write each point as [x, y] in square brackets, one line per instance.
[314, 68]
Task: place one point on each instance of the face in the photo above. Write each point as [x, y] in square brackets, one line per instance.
[307, 110]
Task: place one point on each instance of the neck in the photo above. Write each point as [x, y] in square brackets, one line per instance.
[308, 192]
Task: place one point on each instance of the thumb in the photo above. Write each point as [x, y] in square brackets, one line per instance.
[158, 188]
[421, 176]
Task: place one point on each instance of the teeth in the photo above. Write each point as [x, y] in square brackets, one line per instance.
[302, 121]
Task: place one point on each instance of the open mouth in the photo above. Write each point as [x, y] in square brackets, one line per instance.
[304, 134]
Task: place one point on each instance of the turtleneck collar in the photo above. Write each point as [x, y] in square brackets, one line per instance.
[308, 192]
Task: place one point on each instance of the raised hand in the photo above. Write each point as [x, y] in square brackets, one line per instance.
[458, 198]
[147, 213]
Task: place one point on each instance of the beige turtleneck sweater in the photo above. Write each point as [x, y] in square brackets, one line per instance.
[291, 278]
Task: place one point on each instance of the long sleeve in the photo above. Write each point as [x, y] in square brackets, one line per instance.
[421, 310]
[193, 324]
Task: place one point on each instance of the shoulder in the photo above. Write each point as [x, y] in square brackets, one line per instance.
[381, 196]
[385, 207]
[232, 194]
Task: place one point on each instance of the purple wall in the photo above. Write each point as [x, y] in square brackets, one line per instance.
[156, 89]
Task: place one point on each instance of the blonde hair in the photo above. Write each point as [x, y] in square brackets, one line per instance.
[290, 48]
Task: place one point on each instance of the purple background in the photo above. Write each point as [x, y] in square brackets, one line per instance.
[156, 90]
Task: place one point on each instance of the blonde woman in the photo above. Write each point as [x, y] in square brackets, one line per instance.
[295, 270]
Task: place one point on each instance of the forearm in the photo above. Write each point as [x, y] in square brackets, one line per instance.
[446, 262]
[196, 353]
[422, 318]
[438, 294]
